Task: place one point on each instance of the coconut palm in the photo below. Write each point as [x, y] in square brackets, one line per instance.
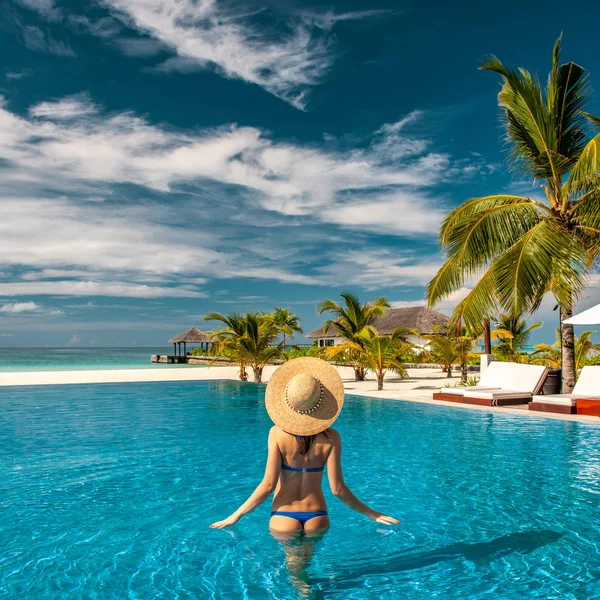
[443, 351]
[248, 339]
[457, 344]
[550, 355]
[513, 348]
[227, 338]
[381, 352]
[349, 320]
[286, 322]
[256, 345]
[522, 248]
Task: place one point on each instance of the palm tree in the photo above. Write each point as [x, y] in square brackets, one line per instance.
[523, 248]
[443, 350]
[256, 345]
[227, 338]
[513, 348]
[550, 355]
[456, 345]
[286, 322]
[381, 352]
[349, 320]
[248, 339]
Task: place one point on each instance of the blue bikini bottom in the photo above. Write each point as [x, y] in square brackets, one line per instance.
[301, 517]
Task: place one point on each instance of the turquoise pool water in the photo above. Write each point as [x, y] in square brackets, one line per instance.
[69, 359]
[107, 491]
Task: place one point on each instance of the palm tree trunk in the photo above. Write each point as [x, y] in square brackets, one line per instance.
[487, 336]
[243, 374]
[463, 372]
[379, 380]
[284, 342]
[569, 372]
[257, 373]
[449, 371]
[359, 373]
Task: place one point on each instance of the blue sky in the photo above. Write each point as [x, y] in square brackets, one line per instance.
[164, 158]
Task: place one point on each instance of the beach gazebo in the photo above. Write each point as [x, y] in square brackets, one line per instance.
[191, 336]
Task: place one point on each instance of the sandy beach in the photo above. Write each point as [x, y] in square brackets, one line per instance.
[418, 387]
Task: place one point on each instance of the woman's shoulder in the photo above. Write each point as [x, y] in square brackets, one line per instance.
[332, 435]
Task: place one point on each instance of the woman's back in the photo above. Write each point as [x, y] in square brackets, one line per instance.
[301, 490]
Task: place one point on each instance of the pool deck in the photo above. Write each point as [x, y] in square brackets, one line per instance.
[418, 387]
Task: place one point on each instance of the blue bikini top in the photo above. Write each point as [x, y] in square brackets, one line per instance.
[303, 469]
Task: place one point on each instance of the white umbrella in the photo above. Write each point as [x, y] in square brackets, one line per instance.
[591, 316]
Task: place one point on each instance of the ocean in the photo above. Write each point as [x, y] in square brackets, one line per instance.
[69, 359]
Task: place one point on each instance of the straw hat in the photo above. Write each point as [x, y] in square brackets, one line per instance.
[304, 396]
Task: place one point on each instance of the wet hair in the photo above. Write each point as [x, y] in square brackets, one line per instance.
[305, 441]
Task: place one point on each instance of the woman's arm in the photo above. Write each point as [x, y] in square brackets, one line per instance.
[263, 489]
[342, 491]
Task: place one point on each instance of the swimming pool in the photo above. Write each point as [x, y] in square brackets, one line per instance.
[106, 491]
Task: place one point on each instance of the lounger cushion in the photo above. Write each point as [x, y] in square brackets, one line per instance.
[496, 394]
[588, 383]
[513, 376]
[560, 399]
[459, 391]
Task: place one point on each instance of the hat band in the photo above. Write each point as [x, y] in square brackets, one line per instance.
[308, 410]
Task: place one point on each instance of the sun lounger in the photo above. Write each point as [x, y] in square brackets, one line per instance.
[502, 383]
[583, 400]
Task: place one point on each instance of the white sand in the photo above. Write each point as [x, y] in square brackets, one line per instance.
[418, 387]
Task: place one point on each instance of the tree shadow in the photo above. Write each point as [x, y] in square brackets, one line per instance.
[514, 543]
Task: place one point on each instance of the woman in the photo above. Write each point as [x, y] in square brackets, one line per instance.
[304, 397]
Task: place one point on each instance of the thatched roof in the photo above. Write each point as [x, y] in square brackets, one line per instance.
[192, 336]
[420, 318]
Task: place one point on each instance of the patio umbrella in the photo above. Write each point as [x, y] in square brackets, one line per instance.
[591, 316]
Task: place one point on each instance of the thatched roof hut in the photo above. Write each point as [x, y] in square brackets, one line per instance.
[422, 319]
[192, 336]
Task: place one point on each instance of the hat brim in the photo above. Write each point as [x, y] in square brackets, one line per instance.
[327, 412]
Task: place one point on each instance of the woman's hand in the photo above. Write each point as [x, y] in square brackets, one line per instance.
[230, 520]
[383, 519]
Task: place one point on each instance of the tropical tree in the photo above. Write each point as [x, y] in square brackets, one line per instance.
[349, 320]
[443, 350]
[256, 345]
[513, 348]
[286, 322]
[248, 340]
[456, 345]
[550, 355]
[227, 338]
[523, 248]
[381, 352]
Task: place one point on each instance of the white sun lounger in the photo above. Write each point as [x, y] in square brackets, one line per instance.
[514, 383]
[586, 388]
[491, 379]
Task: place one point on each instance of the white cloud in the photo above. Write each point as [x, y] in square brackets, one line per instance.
[46, 8]
[70, 140]
[74, 341]
[17, 74]
[67, 108]
[19, 307]
[380, 267]
[68, 151]
[139, 47]
[96, 288]
[219, 36]
[40, 41]
[402, 212]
